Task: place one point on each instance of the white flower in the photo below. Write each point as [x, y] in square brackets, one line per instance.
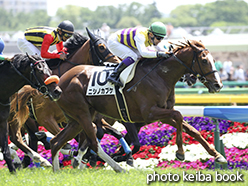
[193, 152]
[239, 140]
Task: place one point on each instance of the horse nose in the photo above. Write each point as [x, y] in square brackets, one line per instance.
[218, 86]
[57, 92]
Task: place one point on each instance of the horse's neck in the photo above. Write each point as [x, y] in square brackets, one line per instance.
[168, 71]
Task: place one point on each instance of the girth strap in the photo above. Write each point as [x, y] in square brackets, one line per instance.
[122, 106]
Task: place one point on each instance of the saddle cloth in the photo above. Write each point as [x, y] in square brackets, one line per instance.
[99, 85]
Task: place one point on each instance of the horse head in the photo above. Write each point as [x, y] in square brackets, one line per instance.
[100, 52]
[41, 78]
[201, 64]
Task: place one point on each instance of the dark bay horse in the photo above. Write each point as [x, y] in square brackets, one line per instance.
[22, 70]
[149, 99]
[81, 51]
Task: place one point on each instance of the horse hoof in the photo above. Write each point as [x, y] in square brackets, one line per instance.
[93, 160]
[119, 158]
[67, 146]
[181, 157]
[220, 160]
[75, 163]
[129, 160]
[18, 166]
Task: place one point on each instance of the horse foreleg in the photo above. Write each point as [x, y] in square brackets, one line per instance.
[4, 141]
[210, 149]
[16, 160]
[175, 119]
[81, 151]
[69, 132]
[95, 145]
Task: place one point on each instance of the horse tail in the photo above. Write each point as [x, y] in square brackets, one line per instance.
[18, 106]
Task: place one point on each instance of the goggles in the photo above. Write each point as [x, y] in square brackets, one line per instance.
[67, 35]
[159, 37]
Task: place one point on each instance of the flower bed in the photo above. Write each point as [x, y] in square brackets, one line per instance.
[158, 145]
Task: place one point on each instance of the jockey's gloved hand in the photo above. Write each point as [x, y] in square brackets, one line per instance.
[163, 54]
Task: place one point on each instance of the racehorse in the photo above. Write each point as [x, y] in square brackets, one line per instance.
[20, 71]
[150, 96]
[81, 51]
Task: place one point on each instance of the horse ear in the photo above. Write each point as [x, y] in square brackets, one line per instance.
[30, 57]
[193, 46]
[91, 35]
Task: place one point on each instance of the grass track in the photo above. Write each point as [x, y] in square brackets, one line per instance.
[100, 177]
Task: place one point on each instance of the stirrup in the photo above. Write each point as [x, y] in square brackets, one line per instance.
[40, 135]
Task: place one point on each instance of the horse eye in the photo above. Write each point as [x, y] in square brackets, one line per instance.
[204, 61]
[39, 66]
[101, 46]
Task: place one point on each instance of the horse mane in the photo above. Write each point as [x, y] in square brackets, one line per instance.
[72, 44]
[187, 43]
[18, 104]
[75, 42]
[21, 61]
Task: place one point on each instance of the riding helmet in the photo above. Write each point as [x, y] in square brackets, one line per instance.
[66, 26]
[158, 29]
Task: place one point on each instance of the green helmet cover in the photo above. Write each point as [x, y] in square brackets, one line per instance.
[158, 29]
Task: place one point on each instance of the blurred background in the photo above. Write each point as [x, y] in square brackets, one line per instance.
[222, 26]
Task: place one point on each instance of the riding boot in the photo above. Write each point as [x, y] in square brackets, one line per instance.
[114, 76]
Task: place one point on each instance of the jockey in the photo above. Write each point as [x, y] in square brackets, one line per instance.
[132, 43]
[2, 45]
[37, 40]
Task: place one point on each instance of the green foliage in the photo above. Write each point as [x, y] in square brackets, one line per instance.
[218, 13]
[127, 22]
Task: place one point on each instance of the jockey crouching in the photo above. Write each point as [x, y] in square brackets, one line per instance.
[37, 40]
[130, 44]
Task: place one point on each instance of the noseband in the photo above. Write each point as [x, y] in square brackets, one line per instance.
[202, 78]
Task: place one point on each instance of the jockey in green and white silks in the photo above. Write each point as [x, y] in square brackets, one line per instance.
[132, 43]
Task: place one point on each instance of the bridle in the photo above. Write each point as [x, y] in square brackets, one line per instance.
[98, 57]
[202, 78]
[33, 81]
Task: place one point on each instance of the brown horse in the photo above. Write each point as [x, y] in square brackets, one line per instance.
[150, 96]
[81, 51]
[22, 70]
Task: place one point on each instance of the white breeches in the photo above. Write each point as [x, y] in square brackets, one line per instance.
[27, 47]
[121, 50]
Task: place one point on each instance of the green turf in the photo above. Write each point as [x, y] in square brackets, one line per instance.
[100, 177]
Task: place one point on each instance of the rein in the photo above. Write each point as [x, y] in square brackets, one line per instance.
[202, 78]
[96, 62]
[128, 90]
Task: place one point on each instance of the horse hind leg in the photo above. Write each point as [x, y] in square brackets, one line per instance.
[78, 160]
[210, 149]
